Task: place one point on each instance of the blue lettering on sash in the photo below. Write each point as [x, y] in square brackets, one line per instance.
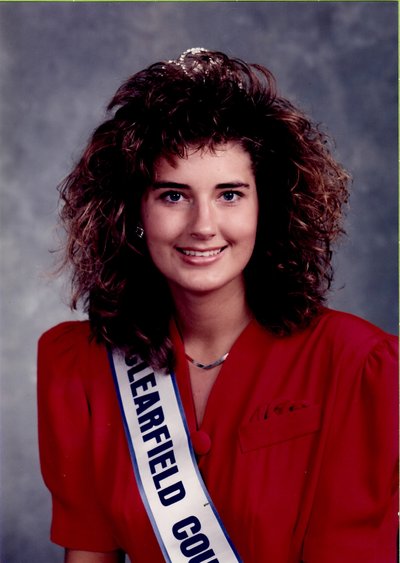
[191, 523]
[151, 419]
[135, 369]
[157, 434]
[160, 449]
[194, 544]
[143, 382]
[172, 494]
[164, 475]
[144, 402]
[165, 459]
[161, 458]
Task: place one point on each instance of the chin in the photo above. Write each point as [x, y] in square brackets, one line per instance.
[206, 287]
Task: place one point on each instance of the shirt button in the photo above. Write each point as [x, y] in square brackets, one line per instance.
[201, 442]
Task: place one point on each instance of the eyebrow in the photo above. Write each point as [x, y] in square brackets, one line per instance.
[178, 186]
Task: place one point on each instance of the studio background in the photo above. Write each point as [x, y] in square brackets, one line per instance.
[59, 65]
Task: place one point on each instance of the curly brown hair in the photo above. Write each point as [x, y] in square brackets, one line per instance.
[203, 99]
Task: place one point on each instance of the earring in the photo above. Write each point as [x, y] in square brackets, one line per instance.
[139, 231]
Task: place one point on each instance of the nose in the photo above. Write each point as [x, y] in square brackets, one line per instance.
[203, 223]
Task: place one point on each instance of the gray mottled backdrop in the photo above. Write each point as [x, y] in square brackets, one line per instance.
[61, 62]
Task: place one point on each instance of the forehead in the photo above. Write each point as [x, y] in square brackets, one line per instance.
[221, 160]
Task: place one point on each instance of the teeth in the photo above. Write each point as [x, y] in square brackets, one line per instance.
[198, 253]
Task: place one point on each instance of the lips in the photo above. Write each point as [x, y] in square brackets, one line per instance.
[206, 253]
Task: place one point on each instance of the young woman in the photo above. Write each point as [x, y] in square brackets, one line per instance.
[200, 221]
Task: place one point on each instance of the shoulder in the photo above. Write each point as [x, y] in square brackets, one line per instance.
[351, 334]
[364, 354]
[66, 351]
[65, 338]
[65, 333]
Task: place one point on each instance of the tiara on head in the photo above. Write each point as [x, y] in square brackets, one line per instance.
[197, 64]
[198, 60]
[192, 51]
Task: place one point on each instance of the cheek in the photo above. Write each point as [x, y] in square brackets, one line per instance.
[159, 232]
[245, 225]
[248, 234]
[156, 223]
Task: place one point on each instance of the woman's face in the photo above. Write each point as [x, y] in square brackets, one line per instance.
[200, 219]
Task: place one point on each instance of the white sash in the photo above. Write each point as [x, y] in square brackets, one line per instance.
[181, 512]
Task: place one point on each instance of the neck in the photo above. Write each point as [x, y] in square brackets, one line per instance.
[210, 323]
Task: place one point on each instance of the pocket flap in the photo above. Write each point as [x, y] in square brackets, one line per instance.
[279, 428]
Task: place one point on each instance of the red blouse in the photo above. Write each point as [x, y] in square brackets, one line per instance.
[297, 448]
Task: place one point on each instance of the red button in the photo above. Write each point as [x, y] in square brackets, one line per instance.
[201, 442]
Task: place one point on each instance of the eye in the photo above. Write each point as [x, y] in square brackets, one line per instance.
[231, 196]
[172, 196]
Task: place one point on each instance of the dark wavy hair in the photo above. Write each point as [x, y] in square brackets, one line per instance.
[203, 99]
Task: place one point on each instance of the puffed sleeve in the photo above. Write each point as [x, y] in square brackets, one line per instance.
[65, 445]
[354, 515]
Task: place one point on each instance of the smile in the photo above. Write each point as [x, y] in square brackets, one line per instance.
[201, 253]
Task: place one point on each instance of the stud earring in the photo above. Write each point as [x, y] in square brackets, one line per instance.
[139, 231]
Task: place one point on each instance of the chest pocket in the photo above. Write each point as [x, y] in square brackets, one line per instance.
[282, 421]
